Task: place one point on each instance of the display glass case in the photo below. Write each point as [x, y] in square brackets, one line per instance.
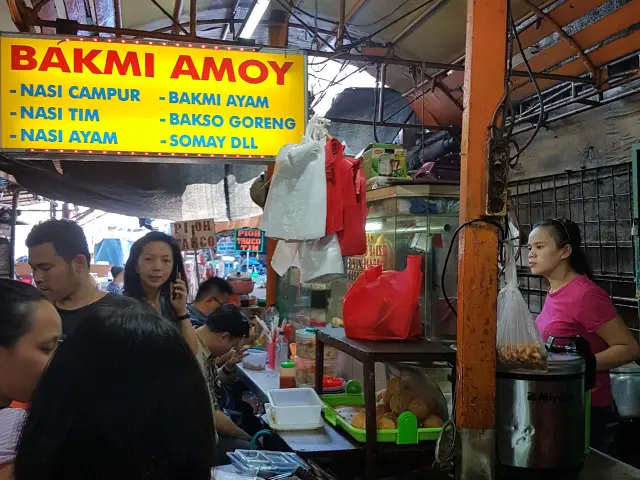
[415, 220]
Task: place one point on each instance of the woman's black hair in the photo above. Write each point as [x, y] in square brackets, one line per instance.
[18, 301]
[132, 282]
[123, 398]
[566, 232]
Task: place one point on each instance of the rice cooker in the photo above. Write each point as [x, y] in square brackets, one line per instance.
[542, 416]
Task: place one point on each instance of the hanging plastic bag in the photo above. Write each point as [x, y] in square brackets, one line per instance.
[519, 343]
[296, 207]
[319, 260]
[384, 306]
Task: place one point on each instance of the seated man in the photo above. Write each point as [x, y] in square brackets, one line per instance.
[212, 294]
[223, 331]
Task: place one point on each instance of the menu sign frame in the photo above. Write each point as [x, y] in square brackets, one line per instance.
[102, 95]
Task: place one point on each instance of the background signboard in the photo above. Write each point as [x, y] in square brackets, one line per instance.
[100, 95]
[195, 234]
[250, 240]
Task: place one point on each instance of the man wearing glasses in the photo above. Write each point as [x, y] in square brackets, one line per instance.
[212, 294]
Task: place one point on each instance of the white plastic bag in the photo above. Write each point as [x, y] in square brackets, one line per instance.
[296, 206]
[318, 260]
[519, 343]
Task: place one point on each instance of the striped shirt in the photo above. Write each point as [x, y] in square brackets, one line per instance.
[11, 420]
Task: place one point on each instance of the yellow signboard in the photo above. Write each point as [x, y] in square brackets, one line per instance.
[100, 95]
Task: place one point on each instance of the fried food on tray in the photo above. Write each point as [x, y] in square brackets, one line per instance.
[386, 422]
[382, 408]
[432, 421]
[420, 408]
[359, 420]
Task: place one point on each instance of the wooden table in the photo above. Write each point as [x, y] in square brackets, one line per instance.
[368, 353]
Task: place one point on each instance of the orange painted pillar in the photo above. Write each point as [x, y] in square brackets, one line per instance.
[478, 247]
[278, 37]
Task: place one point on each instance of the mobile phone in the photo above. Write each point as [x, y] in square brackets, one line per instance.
[177, 272]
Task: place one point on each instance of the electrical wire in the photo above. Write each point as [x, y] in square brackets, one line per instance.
[514, 159]
[453, 239]
[381, 19]
[390, 24]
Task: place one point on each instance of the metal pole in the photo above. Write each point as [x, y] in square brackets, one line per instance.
[341, 24]
[478, 247]
[177, 12]
[383, 80]
[14, 218]
[195, 259]
[117, 9]
[193, 17]
[278, 37]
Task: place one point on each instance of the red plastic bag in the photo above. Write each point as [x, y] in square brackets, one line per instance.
[384, 306]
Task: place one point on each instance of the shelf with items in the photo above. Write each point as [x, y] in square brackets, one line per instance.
[415, 220]
[368, 353]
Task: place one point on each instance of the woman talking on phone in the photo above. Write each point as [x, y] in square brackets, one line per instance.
[155, 274]
[575, 305]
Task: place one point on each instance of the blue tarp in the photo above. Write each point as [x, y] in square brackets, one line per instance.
[114, 251]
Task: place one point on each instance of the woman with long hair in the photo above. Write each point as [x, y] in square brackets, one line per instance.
[30, 329]
[575, 305]
[121, 399]
[154, 274]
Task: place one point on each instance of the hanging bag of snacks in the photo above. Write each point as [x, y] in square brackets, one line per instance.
[519, 343]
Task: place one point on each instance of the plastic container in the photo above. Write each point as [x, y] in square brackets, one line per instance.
[264, 463]
[295, 406]
[306, 345]
[407, 432]
[256, 359]
[282, 349]
[306, 371]
[287, 375]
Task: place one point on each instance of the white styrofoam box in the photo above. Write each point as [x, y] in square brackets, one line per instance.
[295, 406]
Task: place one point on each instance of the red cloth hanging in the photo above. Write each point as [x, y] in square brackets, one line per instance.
[353, 238]
[346, 199]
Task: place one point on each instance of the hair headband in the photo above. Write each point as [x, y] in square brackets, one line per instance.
[564, 227]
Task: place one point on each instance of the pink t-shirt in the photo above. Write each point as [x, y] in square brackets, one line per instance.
[580, 308]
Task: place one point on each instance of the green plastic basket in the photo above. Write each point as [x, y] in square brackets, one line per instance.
[407, 432]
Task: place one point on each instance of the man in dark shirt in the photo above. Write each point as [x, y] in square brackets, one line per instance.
[60, 259]
[212, 294]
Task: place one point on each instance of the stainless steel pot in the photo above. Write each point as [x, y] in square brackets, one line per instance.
[540, 416]
[625, 386]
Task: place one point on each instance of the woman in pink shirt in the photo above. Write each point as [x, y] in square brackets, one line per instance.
[575, 305]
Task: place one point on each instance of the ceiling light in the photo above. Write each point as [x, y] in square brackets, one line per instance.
[255, 15]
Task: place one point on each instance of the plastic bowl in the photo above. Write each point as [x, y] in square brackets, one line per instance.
[242, 288]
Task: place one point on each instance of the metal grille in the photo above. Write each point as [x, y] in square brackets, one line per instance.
[599, 200]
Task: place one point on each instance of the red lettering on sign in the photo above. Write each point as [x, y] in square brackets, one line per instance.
[83, 60]
[243, 71]
[54, 58]
[22, 57]
[280, 70]
[130, 61]
[207, 226]
[185, 66]
[225, 68]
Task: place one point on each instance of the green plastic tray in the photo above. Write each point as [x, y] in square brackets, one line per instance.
[407, 432]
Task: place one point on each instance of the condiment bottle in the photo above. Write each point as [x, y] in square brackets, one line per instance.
[288, 375]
